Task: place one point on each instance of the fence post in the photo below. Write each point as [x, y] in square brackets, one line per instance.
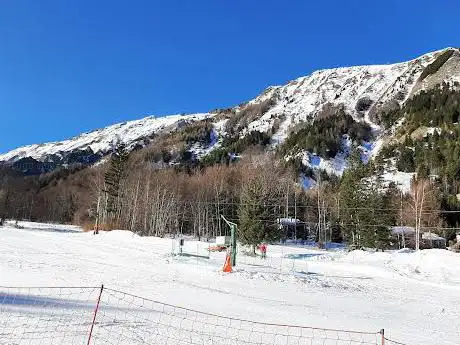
[95, 314]
[382, 333]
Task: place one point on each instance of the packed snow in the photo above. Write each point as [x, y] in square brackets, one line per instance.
[412, 295]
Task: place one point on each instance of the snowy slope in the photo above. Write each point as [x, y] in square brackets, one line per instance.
[302, 98]
[104, 140]
[414, 296]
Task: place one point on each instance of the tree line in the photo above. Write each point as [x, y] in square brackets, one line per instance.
[256, 193]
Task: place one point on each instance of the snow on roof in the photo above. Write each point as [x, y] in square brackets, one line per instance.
[289, 221]
[406, 230]
[432, 236]
[409, 230]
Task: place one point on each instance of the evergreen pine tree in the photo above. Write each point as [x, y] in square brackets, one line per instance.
[256, 224]
[351, 198]
[377, 232]
[113, 178]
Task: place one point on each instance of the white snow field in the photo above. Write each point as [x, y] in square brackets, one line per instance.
[414, 296]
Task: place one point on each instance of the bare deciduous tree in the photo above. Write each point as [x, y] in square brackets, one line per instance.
[422, 207]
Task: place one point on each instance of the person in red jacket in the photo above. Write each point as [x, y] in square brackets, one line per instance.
[263, 250]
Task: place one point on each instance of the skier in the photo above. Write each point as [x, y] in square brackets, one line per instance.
[263, 250]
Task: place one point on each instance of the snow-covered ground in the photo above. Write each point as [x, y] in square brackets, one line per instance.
[412, 295]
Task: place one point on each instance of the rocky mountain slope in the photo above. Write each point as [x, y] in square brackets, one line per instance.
[363, 92]
[102, 141]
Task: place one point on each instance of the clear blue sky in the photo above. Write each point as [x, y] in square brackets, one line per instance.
[73, 66]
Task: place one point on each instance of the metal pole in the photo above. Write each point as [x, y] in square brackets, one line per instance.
[295, 216]
[233, 239]
[95, 313]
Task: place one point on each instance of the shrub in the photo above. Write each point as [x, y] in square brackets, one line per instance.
[363, 104]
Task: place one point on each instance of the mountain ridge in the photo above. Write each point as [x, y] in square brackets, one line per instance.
[363, 91]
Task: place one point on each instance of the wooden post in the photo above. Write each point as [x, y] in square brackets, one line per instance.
[382, 333]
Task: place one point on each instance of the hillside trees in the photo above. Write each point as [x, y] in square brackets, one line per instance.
[422, 208]
[405, 161]
[324, 135]
[114, 177]
[5, 195]
[364, 205]
[436, 64]
[4, 201]
[17, 194]
[429, 140]
[235, 145]
[257, 209]
[248, 113]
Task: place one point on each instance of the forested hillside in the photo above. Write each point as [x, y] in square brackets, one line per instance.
[428, 140]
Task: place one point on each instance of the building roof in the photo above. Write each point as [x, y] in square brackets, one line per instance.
[289, 221]
[399, 230]
[432, 237]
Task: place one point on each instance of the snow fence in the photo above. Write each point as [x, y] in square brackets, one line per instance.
[100, 315]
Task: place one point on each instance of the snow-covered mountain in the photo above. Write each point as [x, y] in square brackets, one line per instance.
[362, 91]
[104, 140]
[351, 87]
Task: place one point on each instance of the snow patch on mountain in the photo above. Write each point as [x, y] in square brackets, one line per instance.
[402, 180]
[217, 135]
[333, 166]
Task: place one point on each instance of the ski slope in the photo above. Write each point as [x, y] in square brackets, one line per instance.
[414, 296]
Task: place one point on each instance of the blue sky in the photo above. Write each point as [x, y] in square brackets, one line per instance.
[73, 66]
